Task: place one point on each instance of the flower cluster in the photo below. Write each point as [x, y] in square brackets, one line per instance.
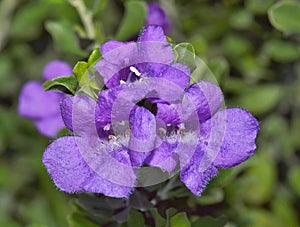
[148, 116]
[41, 106]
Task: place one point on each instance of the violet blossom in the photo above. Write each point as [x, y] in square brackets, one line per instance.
[148, 115]
[157, 16]
[43, 107]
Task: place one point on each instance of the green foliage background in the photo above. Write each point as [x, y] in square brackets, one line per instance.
[252, 47]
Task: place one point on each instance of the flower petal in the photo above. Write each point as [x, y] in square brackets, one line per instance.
[109, 160]
[164, 157]
[65, 164]
[153, 41]
[56, 68]
[168, 113]
[50, 126]
[237, 136]
[193, 176]
[35, 103]
[78, 113]
[143, 130]
[157, 16]
[204, 97]
[98, 184]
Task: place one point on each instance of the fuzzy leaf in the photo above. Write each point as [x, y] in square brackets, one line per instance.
[65, 84]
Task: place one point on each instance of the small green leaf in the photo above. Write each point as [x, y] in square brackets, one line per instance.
[94, 57]
[158, 219]
[185, 54]
[77, 220]
[64, 37]
[65, 84]
[135, 218]
[133, 20]
[180, 220]
[285, 16]
[80, 70]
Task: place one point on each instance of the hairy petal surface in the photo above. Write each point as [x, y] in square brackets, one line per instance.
[205, 97]
[237, 137]
[65, 164]
[193, 176]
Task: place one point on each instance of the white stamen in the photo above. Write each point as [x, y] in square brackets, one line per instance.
[135, 71]
[122, 82]
[106, 127]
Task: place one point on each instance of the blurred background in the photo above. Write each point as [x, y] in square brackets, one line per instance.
[251, 46]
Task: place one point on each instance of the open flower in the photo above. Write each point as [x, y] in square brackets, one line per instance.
[41, 106]
[148, 115]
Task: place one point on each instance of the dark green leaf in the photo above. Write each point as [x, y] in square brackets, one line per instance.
[285, 16]
[65, 84]
[133, 20]
[135, 219]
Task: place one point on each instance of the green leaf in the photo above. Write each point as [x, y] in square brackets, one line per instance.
[28, 20]
[294, 179]
[135, 218]
[133, 20]
[80, 70]
[158, 219]
[285, 16]
[185, 54]
[260, 179]
[65, 84]
[212, 196]
[180, 220]
[260, 99]
[94, 57]
[207, 221]
[259, 6]
[284, 211]
[281, 51]
[241, 19]
[64, 37]
[77, 220]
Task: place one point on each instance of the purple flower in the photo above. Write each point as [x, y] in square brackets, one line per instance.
[157, 16]
[149, 115]
[41, 106]
[151, 56]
